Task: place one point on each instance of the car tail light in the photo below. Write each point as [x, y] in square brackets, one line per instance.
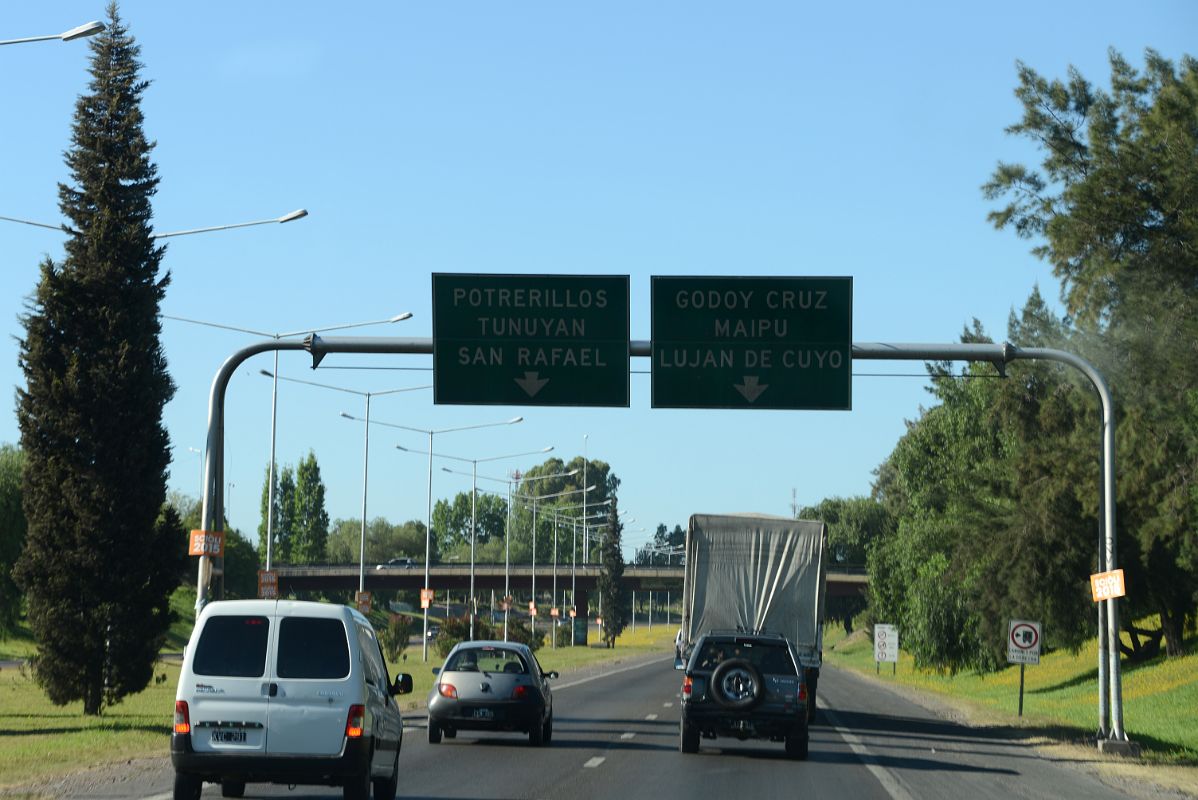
[355, 721]
[803, 692]
[182, 720]
[520, 692]
[448, 690]
[687, 682]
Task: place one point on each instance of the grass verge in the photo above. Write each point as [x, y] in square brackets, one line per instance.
[1060, 694]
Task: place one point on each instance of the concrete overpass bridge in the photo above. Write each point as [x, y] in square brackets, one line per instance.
[583, 579]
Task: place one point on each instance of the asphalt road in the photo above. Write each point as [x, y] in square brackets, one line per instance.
[616, 736]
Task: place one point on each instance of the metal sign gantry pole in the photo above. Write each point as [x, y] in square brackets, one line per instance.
[1110, 692]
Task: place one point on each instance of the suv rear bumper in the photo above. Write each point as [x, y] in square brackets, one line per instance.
[353, 760]
[713, 720]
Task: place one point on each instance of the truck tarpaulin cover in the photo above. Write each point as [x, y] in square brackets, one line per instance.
[755, 572]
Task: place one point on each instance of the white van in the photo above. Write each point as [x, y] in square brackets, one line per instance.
[283, 691]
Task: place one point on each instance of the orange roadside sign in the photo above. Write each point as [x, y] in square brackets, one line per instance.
[553, 612]
[1107, 585]
[268, 584]
[206, 543]
[364, 601]
[426, 598]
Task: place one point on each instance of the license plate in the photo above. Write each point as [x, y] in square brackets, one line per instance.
[483, 713]
[228, 737]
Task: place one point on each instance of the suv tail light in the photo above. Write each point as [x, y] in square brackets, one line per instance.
[803, 691]
[448, 690]
[355, 721]
[520, 693]
[687, 681]
[182, 720]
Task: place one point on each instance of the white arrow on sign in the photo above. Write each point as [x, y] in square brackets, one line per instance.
[751, 389]
[531, 383]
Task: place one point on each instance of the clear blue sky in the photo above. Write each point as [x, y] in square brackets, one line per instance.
[679, 138]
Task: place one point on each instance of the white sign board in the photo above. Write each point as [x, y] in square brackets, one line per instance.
[886, 643]
[1023, 642]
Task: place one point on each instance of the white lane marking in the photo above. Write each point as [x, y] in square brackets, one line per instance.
[581, 681]
[884, 776]
[594, 762]
[667, 705]
[650, 717]
[628, 735]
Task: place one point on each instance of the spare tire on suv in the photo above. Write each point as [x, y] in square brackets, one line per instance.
[744, 686]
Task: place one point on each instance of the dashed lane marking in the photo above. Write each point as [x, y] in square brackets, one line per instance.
[594, 762]
[628, 735]
[650, 717]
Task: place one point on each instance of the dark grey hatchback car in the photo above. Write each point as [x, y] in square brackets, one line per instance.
[744, 686]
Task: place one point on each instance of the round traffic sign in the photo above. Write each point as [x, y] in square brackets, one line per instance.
[1024, 636]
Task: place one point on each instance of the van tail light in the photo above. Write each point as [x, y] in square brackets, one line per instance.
[182, 719]
[520, 693]
[802, 692]
[448, 690]
[355, 721]
[687, 683]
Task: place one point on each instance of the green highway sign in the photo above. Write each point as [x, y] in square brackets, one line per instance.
[530, 340]
[752, 342]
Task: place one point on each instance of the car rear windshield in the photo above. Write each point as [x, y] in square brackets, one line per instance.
[311, 647]
[486, 659]
[769, 658]
[232, 647]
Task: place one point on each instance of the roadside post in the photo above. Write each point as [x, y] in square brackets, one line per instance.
[886, 647]
[1023, 648]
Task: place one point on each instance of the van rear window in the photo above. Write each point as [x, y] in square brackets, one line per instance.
[232, 647]
[312, 647]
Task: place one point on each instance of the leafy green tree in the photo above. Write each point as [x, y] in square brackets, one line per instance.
[854, 525]
[12, 535]
[1113, 209]
[613, 593]
[310, 520]
[99, 563]
[658, 550]
[453, 519]
[283, 525]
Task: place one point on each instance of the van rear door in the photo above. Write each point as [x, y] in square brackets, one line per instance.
[227, 694]
[311, 685]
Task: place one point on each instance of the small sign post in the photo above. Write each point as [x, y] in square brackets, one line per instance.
[1023, 648]
[886, 647]
[426, 598]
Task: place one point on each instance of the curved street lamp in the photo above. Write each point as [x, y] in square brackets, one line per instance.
[299, 213]
[429, 527]
[474, 505]
[274, 395]
[507, 534]
[365, 456]
[84, 30]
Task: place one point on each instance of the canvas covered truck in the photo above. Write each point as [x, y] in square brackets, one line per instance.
[758, 574]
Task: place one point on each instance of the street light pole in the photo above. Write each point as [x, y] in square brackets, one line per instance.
[86, 29]
[274, 395]
[507, 534]
[299, 213]
[474, 462]
[429, 529]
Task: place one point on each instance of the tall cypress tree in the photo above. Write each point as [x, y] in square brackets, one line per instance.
[612, 591]
[99, 561]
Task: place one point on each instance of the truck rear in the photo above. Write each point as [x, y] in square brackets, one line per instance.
[756, 573]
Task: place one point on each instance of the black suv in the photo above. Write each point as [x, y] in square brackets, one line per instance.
[746, 686]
